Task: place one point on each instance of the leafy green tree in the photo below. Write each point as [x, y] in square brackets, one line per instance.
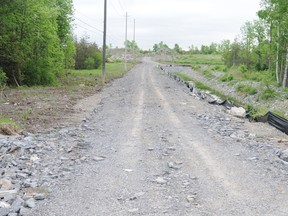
[88, 55]
[177, 48]
[131, 45]
[33, 39]
[275, 14]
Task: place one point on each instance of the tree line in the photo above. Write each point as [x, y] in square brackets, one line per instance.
[262, 44]
[37, 44]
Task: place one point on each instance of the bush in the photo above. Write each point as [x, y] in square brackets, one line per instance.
[221, 68]
[256, 112]
[39, 73]
[196, 67]
[268, 93]
[246, 89]
[98, 59]
[243, 68]
[226, 78]
[89, 63]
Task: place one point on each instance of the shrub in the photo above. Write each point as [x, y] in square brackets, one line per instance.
[196, 67]
[246, 89]
[256, 112]
[268, 93]
[243, 68]
[89, 63]
[227, 78]
[221, 68]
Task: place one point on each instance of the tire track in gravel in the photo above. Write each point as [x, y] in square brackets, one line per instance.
[226, 181]
[159, 160]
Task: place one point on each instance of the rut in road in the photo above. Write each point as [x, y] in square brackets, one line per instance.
[160, 161]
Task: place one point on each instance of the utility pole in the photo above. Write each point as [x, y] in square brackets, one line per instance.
[126, 42]
[104, 44]
[134, 42]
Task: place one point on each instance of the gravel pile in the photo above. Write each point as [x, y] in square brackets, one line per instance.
[31, 165]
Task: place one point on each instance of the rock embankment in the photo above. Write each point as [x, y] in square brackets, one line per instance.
[32, 165]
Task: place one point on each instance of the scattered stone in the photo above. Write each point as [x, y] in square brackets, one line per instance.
[171, 148]
[160, 180]
[12, 214]
[4, 211]
[3, 193]
[39, 196]
[128, 170]
[16, 205]
[5, 184]
[98, 158]
[253, 158]
[4, 205]
[238, 112]
[23, 211]
[171, 165]
[284, 155]
[30, 203]
[191, 198]
[133, 210]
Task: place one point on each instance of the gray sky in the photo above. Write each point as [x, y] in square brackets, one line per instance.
[185, 22]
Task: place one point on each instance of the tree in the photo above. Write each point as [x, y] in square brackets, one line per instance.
[132, 45]
[34, 40]
[275, 14]
[177, 48]
[88, 55]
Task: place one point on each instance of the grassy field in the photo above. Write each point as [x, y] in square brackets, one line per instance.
[93, 77]
[199, 59]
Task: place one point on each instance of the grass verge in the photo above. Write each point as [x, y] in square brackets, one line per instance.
[203, 86]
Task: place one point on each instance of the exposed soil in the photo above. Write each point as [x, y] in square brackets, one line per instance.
[44, 108]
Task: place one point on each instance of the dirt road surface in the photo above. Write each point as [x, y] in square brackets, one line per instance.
[159, 151]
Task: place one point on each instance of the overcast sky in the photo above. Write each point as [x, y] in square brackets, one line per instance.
[186, 22]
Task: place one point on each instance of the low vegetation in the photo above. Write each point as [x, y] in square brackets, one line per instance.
[246, 89]
[39, 107]
[203, 86]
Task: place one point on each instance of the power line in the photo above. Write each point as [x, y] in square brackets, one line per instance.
[115, 9]
[87, 17]
[88, 25]
[121, 6]
[88, 29]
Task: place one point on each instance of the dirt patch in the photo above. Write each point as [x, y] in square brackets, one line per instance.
[44, 108]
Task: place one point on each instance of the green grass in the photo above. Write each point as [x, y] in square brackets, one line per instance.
[10, 122]
[203, 86]
[256, 112]
[198, 59]
[246, 89]
[184, 77]
[94, 77]
[221, 68]
[226, 78]
[268, 93]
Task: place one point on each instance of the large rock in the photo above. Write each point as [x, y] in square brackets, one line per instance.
[284, 155]
[238, 112]
[4, 211]
[17, 204]
[5, 184]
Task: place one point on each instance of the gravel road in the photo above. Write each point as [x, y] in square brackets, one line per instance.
[157, 150]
